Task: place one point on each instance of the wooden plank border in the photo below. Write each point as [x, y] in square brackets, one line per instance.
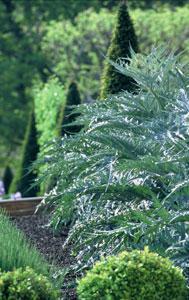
[20, 207]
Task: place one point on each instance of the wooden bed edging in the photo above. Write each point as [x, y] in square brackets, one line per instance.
[20, 207]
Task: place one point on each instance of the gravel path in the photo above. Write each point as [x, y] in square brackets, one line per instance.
[48, 243]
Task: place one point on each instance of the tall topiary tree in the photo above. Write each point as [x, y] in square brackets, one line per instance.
[7, 178]
[24, 177]
[123, 39]
[67, 116]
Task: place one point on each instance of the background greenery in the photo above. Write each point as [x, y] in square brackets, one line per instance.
[40, 39]
[63, 42]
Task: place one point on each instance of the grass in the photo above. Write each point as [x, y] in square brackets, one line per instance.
[16, 251]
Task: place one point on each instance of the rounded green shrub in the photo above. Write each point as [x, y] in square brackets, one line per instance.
[25, 284]
[136, 275]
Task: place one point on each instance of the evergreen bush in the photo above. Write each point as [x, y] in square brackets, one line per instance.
[67, 116]
[24, 177]
[7, 178]
[25, 284]
[136, 275]
[123, 39]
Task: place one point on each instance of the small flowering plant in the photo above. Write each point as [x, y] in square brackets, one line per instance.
[15, 196]
[2, 189]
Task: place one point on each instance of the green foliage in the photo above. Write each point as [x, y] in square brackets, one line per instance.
[20, 61]
[24, 178]
[25, 284]
[49, 106]
[136, 275]
[67, 116]
[125, 180]
[123, 40]
[16, 252]
[64, 9]
[22, 27]
[49, 99]
[7, 178]
[172, 34]
[147, 4]
[63, 42]
[63, 46]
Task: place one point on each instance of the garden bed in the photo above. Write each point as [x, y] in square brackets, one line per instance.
[49, 244]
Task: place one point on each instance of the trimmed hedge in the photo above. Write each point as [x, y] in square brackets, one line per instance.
[25, 284]
[136, 275]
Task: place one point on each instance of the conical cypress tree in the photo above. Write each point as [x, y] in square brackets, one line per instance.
[67, 116]
[24, 178]
[7, 178]
[123, 40]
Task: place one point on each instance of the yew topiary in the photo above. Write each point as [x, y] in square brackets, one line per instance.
[7, 178]
[123, 39]
[67, 116]
[136, 275]
[24, 178]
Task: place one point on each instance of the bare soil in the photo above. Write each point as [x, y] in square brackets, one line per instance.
[49, 244]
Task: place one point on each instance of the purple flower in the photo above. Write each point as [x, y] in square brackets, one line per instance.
[18, 195]
[2, 188]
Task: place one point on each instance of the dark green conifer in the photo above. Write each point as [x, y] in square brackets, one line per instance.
[24, 178]
[7, 178]
[123, 39]
[67, 116]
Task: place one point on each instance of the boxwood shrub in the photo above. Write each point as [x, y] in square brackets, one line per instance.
[136, 275]
[25, 284]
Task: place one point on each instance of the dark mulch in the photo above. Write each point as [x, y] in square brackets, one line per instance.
[49, 244]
